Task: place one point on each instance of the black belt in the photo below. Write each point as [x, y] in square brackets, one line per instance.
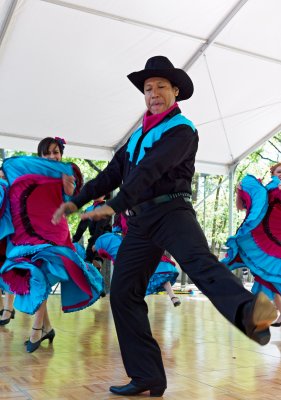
[164, 198]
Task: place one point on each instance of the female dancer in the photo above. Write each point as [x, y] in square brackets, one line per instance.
[39, 255]
[257, 242]
[165, 275]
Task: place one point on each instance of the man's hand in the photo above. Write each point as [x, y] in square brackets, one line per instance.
[64, 210]
[99, 213]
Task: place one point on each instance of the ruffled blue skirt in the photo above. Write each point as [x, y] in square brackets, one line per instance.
[40, 254]
[107, 246]
[257, 242]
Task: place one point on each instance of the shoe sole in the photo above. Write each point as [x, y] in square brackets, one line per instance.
[264, 314]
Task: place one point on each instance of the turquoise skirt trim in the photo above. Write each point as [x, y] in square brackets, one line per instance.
[252, 244]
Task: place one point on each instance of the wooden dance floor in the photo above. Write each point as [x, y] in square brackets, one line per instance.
[205, 358]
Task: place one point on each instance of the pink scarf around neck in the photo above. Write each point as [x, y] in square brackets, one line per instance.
[151, 120]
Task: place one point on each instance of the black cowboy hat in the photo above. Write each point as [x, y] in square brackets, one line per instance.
[161, 66]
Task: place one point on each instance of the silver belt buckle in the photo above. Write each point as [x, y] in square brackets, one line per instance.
[130, 213]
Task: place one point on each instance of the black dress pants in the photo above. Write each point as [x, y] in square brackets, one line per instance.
[173, 227]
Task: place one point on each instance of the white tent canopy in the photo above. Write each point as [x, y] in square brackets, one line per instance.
[63, 67]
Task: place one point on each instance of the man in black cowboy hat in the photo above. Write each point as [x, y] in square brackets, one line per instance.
[154, 170]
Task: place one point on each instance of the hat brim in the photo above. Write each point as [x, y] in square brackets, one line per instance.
[178, 77]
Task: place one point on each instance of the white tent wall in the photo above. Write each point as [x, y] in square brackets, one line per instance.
[63, 67]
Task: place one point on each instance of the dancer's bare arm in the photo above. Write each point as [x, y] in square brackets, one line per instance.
[64, 210]
[99, 213]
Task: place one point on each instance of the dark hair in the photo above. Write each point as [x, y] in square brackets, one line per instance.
[4, 176]
[44, 144]
[78, 178]
[273, 168]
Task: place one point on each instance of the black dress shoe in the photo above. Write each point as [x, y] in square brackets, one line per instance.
[7, 320]
[132, 390]
[257, 315]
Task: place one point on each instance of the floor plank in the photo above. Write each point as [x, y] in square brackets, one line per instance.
[205, 357]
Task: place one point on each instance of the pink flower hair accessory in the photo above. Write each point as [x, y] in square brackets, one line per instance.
[61, 142]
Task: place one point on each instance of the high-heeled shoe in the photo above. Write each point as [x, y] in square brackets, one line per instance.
[7, 320]
[132, 390]
[49, 335]
[32, 346]
[176, 301]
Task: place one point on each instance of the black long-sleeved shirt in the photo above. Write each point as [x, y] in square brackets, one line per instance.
[166, 167]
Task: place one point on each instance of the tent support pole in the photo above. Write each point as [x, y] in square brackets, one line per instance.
[230, 201]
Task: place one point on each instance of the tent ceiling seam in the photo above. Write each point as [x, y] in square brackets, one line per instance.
[213, 163]
[7, 20]
[128, 134]
[125, 20]
[218, 107]
[240, 113]
[75, 144]
[247, 53]
[161, 28]
[215, 33]
[256, 145]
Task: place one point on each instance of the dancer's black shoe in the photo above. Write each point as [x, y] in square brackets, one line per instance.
[32, 346]
[49, 335]
[132, 389]
[7, 320]
[176, 301]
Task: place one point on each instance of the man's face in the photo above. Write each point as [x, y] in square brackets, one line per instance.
[159, 94]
